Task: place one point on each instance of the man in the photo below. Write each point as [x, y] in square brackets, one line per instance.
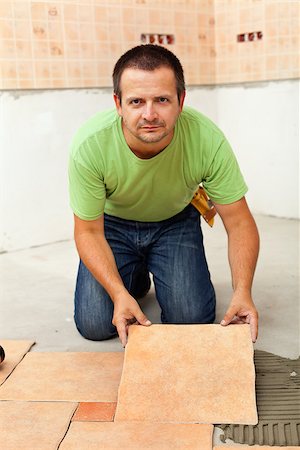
[133, 172]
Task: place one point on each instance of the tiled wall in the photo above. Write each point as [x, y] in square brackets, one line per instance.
[275, 56]
[70, 44]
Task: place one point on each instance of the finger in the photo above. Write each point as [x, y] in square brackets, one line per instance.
[254, 327]
[141, 318]
[229, 316]
[122, 332]
[238, 320]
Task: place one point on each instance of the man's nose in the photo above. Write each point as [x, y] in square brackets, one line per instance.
[149, 112]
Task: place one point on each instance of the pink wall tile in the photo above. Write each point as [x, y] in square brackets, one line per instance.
[8, 48]
[79, 41]
[6, 29]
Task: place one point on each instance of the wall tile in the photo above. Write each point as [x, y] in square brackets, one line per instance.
[8, 48]
[6, 10]
[21, 10]
[6, 29]
[23, 49]
[72, 43]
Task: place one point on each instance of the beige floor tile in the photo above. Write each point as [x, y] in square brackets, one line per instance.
[137, 436]
[14, 352]
[82, 377]
[188, 374]
[34, 425]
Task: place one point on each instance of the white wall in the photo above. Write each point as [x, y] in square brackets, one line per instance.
[261, 122]
[36, 130]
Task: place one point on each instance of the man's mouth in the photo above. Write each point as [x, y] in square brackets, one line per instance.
[150, 127]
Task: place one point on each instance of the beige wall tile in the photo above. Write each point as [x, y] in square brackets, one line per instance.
[70, 12]
[87, 50]
[6, 29]
[58, 83]
[57, 70]
[56, 49]
[73, 70]
[38, 11]
[9, 83]
[85, 13]
[40, 49]
[101, 13]
[72, 31]
[55, 30]
[24, 49]
[86, 31]
[39, 30]
[22, 29]
[21, 10]
[25, 84]
[8, 48]
[6, 10]
[42, 69]
[9, 69]
[25, 70]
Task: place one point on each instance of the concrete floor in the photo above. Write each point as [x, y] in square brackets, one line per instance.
[37, 287]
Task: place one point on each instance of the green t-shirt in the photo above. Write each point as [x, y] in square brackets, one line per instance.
[106, 176]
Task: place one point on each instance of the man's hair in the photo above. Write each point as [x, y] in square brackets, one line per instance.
[148, 57]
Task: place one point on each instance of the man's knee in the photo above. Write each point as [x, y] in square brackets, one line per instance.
[95, 331]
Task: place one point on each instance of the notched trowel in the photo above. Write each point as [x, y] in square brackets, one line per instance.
[204, 205]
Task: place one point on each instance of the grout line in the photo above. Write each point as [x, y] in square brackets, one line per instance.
[68, 427]
[1, 384]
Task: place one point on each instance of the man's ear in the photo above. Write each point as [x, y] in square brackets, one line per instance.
[118, 104]
[182, 97]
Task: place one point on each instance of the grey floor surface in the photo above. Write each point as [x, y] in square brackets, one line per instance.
[37, 286]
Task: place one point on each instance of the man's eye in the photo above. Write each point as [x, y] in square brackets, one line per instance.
[136, 101]
[163, 100]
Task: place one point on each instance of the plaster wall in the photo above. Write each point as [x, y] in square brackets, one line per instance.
[260, 120]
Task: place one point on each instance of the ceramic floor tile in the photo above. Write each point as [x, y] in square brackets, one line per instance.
[82, 377]
[14, 352]
[95, 412]
[34, 425]
[133, 436]
[254, 447]
[188, 374]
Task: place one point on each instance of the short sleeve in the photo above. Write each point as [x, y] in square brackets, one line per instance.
[87, 191]
[224, 182]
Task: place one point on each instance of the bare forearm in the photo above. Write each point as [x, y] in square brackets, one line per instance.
[243, 248]
[97, 256]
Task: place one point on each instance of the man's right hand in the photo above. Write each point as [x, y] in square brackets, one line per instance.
[127, 312]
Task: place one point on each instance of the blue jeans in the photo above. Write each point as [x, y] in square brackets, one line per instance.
[172, 250]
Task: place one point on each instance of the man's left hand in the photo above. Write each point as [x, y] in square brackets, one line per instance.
[242, 310]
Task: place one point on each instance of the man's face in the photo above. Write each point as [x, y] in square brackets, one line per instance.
[149, 109]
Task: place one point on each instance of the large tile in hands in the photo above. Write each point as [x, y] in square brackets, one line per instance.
[14, 352]
[137, 436]
[188, 374]
[34, 425]
[82, 377]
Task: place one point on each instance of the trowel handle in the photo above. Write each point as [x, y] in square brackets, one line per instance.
[2, 354]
